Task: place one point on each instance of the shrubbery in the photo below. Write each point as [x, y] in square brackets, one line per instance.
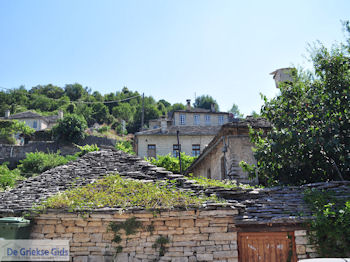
[171, 163]
[125, 146]
[8, 177]
[38, 162]
[71, 128]
[330, 228]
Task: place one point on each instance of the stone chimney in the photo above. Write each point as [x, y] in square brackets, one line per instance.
[7, 113]
[212, 107]
[163, 124]
[283, 75]
[60, 114]
[188, 101]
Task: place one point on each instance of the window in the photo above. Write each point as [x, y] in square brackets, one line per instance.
[207, 119]
[196, 150]
[151, 151]
[35, 124]
[182, 120]
[176, 150]
[196, 120]
[221, 120]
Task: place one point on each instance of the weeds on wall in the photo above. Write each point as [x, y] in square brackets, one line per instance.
[130, 227]
[330, 228]
[160, 244]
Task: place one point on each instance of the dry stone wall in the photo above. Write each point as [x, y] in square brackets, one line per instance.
[195, 235]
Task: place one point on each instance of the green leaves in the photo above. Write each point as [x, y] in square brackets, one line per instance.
[310, 141]
[330, 227]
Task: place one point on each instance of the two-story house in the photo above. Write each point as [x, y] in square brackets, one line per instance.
[196, 127]
[34, 120]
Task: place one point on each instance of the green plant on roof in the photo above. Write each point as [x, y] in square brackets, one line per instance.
[207, 182]
[114, 191]
[172, 163]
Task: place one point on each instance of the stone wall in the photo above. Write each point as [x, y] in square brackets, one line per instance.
[195, 235]
[14, 153]
[303, 248]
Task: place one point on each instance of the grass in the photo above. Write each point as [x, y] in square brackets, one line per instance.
[229, 184]
[114, 191]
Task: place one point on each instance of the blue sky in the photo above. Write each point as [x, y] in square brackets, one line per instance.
[170, 49]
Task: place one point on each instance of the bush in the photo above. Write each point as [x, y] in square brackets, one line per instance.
[330, 228]
[171, 163]
[103, 129]
[86, 149]
[125, 146]
[71, 128]
[38, 162]
[8, 178]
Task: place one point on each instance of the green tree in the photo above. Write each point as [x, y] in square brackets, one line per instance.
[71, 128]
[205, 101]
[177, 106]
[235, 111]
[123, 111]
[100, 113]
[311, 119]
[9, 128]
[74, 91]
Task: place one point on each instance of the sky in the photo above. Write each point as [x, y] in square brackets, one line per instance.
[169, 49]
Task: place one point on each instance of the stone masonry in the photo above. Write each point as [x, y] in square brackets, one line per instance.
[195, 235]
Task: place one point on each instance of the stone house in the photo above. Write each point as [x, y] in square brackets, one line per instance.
[251, 223]
[34, 120]
[196, 127]
[231, 145]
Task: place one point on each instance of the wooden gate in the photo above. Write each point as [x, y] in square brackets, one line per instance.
[266, 247]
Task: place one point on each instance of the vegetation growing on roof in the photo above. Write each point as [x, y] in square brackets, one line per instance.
[114, 191]
[207, 182]
[330, 228]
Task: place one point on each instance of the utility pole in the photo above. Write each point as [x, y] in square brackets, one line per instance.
[179, 149]
[143, 111]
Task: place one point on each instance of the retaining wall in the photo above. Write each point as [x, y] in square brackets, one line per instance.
[194, 235]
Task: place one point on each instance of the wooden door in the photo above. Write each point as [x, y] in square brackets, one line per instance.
[266, 247]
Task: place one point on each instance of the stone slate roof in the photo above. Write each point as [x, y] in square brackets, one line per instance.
[25, 115]
[31, 115]
[256, 206]
[184, 130]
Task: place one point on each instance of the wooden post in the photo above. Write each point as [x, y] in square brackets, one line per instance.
[179, 149]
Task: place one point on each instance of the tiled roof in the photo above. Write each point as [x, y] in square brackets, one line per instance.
[184, 130]
[255, 206]
[23, 115]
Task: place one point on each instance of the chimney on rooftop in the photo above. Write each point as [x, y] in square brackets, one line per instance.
[283, 75]
[212, 107]
[163, 124]
[7, 113]
[188, 101]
